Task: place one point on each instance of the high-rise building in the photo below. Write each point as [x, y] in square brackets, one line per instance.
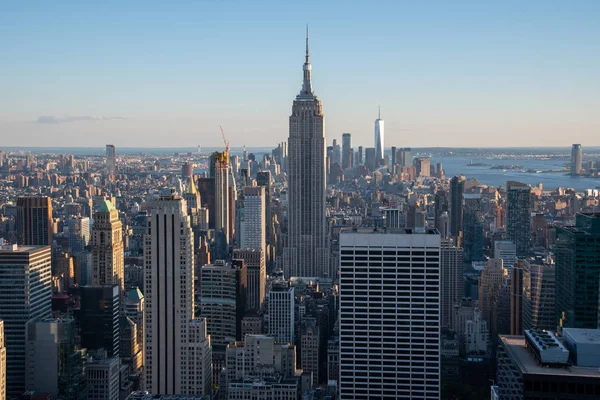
[108, 262]
[518, 215]
[253, 225]
[451, 280]
[403, 157]
[379, 140]
[306, 252]
[359, 156]
[25, 294]
[102, 374]
[538, 295]
[222, 193]
[2, 363]
[516, 299]
[576, 159]
[168, 265]
[389, 314]
[254, 259]
[371, 158]
[280, 300]
[457, 189]
[471, 328]
[223, 299]
[506, 251]
[472, 225]
[99, 318]
[309, 346]
[347, 152]
[53, 364]
[577, 252]
[34, 221]
[422, 166]
[490, 282]
[111, 154]
[199, 358]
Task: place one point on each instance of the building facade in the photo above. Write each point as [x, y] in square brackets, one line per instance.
[34, 221]
[518, 216]
[108, 260]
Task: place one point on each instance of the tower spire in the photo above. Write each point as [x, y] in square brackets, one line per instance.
[379, 116]
[307, 69]
[307, 53]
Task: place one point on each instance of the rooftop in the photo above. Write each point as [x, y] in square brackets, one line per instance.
[583, 336]
[106, 206]
[526, 362]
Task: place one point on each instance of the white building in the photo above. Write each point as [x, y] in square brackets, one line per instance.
[281, 312]
[389, 314]
[169, 286]
[253, 226]
[26, 282]
[199, 358]
[379, 140]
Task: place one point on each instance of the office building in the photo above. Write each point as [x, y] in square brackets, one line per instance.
[223, 294]
[457, 189]
[539, 366]
[99, 318]
[371, 158]
[199, 358]
[53, 365]
[576, 159]
[34, 221]
[253, 224]
[168, 266]
[403, 157]
[359, 156]
[26, 282]
[577, 255]
[471, 328]
[102, 374]
[472, 226]
[518, 216]
[131, 345]
[309, 349]
[347, 152]
[108, 262]
[111, 155]
[422, 166]
[491, 280]
[516, 299]
[254, 260]
[222, 207]
[2, 363]
[280, 300]
[538, 295]
[268, 388]
[506, 251]
[389, 314]
[451, 280]
[306, 253]
[379, 140]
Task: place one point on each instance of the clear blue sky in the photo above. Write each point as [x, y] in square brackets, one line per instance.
[167, 73]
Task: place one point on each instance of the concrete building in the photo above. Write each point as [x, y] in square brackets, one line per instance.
[333, 360]
[451, 280]
[26, 282]
[306, 252]
[389, 314]
[490, 282]
[280, 300]
[271, 388]
[535, 366]
[256, 266]
[199, 358]
[347, 152]
[516, 299]
[102, 374]
[539, 295]
[456, 208]
[309, 349]
[518, 216]
[422, 166]
[577, 252]
[34, 221]
[471, 328]
[506, 251]
[108, 262]
[111, 155]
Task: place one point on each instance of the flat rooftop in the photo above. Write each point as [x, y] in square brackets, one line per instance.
[518, 352]
[584, 336]
[395, 231]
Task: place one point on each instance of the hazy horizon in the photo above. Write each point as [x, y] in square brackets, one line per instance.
[148, 75]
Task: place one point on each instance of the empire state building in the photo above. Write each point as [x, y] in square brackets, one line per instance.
[306, 253]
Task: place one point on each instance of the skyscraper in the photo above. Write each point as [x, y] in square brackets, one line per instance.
[254, 259]
[389, 314]
[168, 265]
[473, 222]
[34, 221]
[577, 252]
[253, 225]
[281, 312]
[518, 215]
[26, 293]
[2, 363]
[576, 159]
[451, 280]
[222, 192]
[379, 136]
[108, 262]
[99, 318]
[457, 189]
[538, 295]
[490, 282]
[306, 252]
[347, 152]
[111, 155]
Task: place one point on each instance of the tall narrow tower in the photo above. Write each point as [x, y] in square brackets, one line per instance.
[306, 253]
[107, 247]
[379, 147]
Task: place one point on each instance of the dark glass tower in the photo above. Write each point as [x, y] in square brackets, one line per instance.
[518, 216]
[99, 318]
[577, 287]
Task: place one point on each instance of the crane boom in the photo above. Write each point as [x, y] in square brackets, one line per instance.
[225, 141]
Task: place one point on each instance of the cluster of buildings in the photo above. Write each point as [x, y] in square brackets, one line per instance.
[312, 272]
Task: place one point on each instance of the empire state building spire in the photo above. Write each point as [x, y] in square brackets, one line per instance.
[307, 68]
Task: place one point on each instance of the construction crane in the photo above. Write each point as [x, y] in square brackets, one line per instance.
[225, 141]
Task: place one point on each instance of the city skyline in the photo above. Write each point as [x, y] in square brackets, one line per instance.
[447, 76]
